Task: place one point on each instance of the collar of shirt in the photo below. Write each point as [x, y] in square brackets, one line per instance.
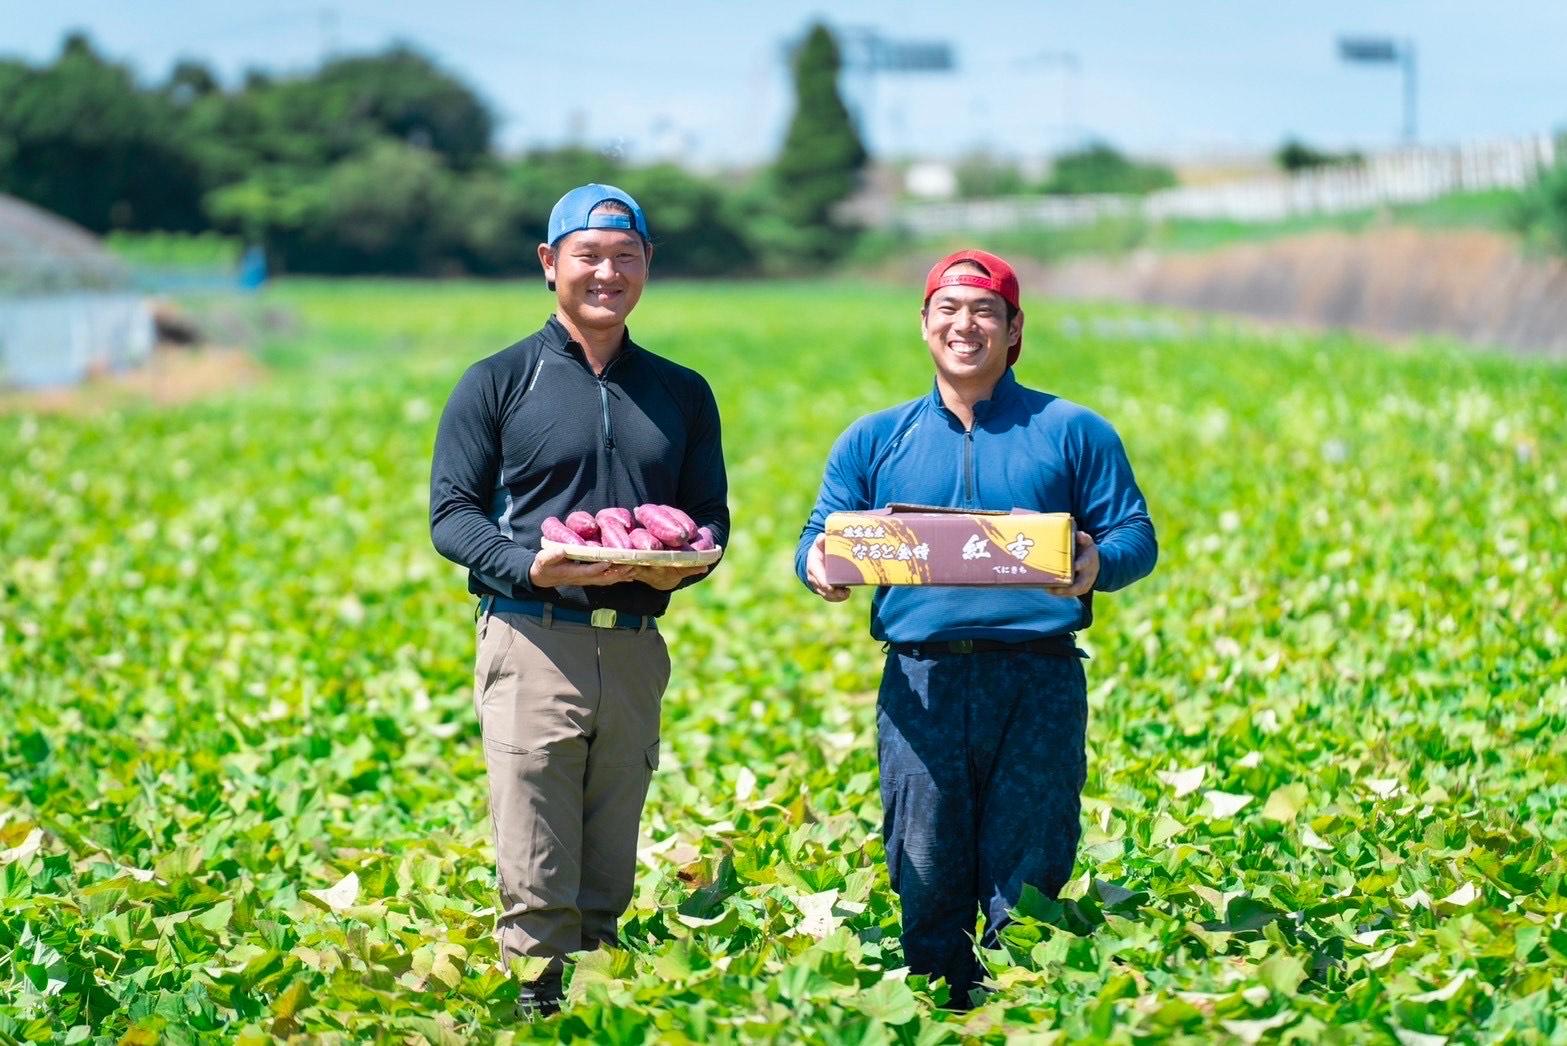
[560, 339]
[1000, 396]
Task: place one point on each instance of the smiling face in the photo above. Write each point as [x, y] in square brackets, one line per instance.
[598, 275]
[968, 332]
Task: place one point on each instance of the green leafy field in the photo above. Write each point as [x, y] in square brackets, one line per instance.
[241, 786]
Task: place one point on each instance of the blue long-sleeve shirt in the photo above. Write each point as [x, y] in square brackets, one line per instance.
[1027, 449]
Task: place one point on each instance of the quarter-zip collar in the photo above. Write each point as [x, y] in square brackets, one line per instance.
[560, 339]
[1004, 392]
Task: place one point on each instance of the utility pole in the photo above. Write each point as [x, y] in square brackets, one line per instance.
[1384, 50]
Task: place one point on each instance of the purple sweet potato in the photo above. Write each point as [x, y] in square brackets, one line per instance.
[619, 515]
[611, 533]
[554, 530]
[640, 538]
[663, 523]
[684, 520]
[584, 524]
[704, 540]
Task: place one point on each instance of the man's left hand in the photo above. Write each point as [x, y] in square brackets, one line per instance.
[1085, 569]
[665, 578]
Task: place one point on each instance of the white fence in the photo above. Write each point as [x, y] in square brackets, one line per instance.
[1402, 176]
[59, 339]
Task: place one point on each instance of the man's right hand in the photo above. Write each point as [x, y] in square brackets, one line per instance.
[551, 569]
[816, 572]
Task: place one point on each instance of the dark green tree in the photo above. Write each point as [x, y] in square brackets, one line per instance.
[691, 224]
[1540, 212]
[404, 95]
[1101, 168]
[314, 121]
[380, 210]
[378, 163]
[190, 80]
[1296, 155]
[820, 163]
[80, 138]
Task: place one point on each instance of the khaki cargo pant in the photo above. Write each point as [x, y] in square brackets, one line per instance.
[569, 715]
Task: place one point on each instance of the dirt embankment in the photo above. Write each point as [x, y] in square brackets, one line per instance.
[1476, 286]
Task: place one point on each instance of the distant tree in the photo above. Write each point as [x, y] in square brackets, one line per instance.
[188, 81]
[404, 95]
[980, 174]
[344, 108]
[1296, 155]
[540, 178]
[821, 159]
[378, 163]
[490, 230]
[695, 231]
[381, 210]
[80, 138]
[1541, 211]
[1100, 168]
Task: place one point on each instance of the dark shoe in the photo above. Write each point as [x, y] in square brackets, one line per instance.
[541, 999]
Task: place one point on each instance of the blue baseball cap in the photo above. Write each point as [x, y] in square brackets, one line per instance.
[574, 212]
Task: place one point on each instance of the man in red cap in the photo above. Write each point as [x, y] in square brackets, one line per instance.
[983, 705]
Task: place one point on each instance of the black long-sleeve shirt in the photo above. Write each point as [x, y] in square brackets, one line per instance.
[531, 432]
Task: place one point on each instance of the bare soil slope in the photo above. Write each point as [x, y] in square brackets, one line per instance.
[1475, 286]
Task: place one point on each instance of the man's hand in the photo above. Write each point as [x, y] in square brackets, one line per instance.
[816, 572]
[551, 569]
[1085, 569]
[665, 578]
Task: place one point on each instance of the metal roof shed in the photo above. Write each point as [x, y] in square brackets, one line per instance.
[67, 308]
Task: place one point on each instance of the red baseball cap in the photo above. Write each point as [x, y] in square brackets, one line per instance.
[1000, 277]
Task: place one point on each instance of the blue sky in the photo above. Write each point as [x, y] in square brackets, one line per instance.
[705, 81]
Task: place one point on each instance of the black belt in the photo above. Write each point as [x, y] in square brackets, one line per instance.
[1052, 646]
[548, 612]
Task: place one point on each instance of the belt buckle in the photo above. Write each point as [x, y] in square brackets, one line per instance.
[962, 646]
[603, 617]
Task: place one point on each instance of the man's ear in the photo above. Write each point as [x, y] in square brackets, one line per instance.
[1015, 329]
[547, 261]
[924, 315]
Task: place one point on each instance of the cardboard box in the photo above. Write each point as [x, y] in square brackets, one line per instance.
[928, 545]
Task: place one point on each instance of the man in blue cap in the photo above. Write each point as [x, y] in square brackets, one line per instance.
[571, 668]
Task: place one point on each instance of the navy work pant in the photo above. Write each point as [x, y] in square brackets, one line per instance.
[982, 764]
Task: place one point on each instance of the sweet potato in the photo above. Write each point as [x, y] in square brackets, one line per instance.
[640, 538]
[621, 516]
[684, 520]
[554, 530]
[704, 540]
[611, 533]
[662, 522]
[584, 524]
